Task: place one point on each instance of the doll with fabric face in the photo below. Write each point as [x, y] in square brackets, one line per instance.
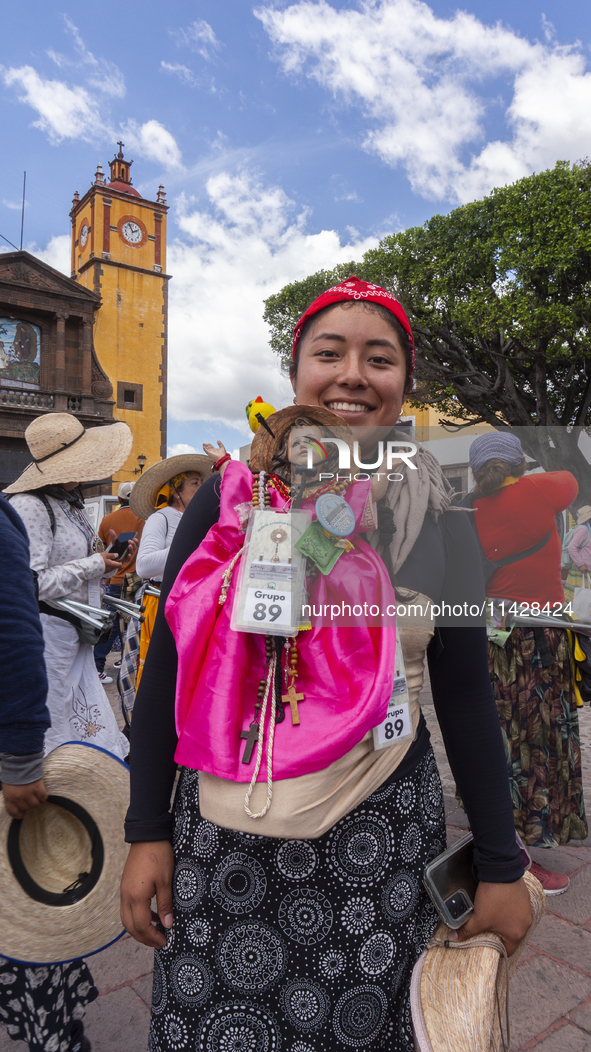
[292, 452]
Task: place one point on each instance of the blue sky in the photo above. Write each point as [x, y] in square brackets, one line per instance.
[289, 136]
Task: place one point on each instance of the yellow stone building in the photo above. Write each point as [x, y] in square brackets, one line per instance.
[119, 251]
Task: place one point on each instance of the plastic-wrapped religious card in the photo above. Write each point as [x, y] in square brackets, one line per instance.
[272, 576]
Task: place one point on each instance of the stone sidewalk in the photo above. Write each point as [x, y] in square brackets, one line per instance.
[550, 995]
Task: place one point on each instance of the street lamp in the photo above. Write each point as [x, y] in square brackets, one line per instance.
[141, 461]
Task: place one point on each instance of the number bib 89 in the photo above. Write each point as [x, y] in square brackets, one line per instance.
[397, 727]
[267, 608]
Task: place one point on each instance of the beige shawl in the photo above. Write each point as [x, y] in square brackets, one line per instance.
[424, 490]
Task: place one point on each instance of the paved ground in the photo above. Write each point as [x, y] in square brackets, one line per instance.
[550, 996]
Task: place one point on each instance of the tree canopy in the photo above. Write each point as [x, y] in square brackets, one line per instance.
[498, 293]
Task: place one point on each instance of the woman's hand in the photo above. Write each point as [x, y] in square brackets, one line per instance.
[148, 873]
[213, 453]
[18, 799]
[111, 562]
[504, 909]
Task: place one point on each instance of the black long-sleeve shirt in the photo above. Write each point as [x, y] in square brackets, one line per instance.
[24, 716]
[444, 563]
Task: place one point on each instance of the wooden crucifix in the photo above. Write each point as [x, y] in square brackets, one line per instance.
[251, 736]
[293, 697]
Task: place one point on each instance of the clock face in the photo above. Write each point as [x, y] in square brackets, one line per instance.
[83, 237]
[132, 232]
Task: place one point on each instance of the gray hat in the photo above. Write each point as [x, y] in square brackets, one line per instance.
[495, 445]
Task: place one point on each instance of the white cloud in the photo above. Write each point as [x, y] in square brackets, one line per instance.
[419, 80]
[179, 448]
[200, 37]
[14, 205]
[64, 112]
[101, 74]
[154, 141]
[73, 113]
[57, 252]
[182, 72]
[245, 246]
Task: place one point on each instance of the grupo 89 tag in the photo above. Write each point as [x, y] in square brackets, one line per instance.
[395, 728]
[267, 607]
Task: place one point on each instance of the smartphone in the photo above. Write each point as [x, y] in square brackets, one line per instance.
[119, 547]
[451, 884]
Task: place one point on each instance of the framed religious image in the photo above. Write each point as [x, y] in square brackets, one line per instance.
[20, 353]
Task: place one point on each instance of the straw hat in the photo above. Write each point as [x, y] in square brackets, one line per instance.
[453, 993]
[583, 514]
[147, 487]
[264, 444]
[64, 451]
[74, 841]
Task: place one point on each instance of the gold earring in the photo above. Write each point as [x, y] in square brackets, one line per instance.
[295, 401]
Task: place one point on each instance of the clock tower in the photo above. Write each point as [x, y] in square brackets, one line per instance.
[119, 251]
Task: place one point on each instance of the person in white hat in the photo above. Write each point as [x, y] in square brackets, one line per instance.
[68, 559]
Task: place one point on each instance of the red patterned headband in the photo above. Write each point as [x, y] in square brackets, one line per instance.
[355, 289]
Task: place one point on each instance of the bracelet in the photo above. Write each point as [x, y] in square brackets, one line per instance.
[222, 460]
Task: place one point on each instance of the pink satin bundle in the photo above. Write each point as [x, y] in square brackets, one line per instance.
[345, 674]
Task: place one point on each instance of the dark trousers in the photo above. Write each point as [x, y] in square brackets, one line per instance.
[102, 650]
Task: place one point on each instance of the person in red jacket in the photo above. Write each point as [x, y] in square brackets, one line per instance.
[530, 667]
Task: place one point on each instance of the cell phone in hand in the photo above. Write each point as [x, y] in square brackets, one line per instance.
[119, 547]
[451, 884]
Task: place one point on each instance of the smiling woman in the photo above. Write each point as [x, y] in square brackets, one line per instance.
[354, 363]
[358, 358]
[330, 876]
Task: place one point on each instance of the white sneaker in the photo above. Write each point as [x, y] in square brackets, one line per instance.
[104, 678]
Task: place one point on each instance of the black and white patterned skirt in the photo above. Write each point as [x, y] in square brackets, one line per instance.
[299, 945]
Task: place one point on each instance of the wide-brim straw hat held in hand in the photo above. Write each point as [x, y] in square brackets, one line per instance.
[61, 865]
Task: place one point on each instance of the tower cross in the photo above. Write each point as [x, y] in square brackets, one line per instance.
[121, 145]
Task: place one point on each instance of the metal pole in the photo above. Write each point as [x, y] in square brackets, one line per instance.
[23, 208]
[7, 241]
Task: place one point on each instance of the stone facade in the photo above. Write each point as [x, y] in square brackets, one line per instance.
[47, 357]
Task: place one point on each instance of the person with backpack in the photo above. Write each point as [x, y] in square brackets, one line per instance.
[68, 560]
[530, 668]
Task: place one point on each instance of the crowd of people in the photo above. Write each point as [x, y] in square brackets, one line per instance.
[284, 851]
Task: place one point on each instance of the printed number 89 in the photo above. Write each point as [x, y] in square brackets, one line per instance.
[260, 612]
[389, 729]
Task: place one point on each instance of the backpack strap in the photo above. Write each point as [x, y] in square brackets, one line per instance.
[523, 554]
[46, 505]
[49, 510]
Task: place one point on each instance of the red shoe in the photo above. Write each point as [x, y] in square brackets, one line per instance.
[552, 883]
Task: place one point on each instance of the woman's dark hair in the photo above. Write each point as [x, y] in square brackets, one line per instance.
[493, 473]
[372, 308]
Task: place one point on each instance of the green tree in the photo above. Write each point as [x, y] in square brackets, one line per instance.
[498, 294]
